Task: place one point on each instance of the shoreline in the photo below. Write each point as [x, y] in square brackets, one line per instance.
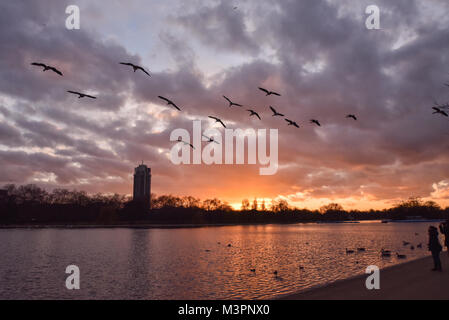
[187, 225]
[140, 226]
[411, 280]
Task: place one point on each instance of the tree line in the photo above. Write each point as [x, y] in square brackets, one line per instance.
[30, 204]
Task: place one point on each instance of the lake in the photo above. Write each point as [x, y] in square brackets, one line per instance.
[196, 263]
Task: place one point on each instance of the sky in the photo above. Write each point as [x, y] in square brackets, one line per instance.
[318, 54]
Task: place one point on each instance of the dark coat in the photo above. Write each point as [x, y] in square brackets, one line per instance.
[434, 242]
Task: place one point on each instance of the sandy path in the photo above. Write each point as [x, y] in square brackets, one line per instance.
[412, 280]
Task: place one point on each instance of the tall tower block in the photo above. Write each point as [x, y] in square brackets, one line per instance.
[142, 184]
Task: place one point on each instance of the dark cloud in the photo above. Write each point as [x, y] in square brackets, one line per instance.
[220, 26]
[318, 54]
[88, 64]
[10, 136]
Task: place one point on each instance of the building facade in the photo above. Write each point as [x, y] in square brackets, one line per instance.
[142, 184]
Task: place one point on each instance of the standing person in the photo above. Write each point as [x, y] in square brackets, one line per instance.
[435, 247]
[444, 229]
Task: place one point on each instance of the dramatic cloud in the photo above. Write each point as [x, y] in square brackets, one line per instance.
[317, 54]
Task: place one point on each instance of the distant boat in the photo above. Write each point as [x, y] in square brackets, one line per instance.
[413, 219]
[417, 219]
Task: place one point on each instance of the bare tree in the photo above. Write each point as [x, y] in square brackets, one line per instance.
[245, 205]
[254, 206]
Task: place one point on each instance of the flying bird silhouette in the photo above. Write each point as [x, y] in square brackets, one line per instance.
[169, 102]
[292, 123]
[47, 67]
[254, 113]
[186, 143]
[210, 139]
[275, 113]
[440, 106]
[135, 67]
[81, 95]
[232, 103]
[218, 120]
[438, 110]
[351, 116]
[315, 122]
[268, 93]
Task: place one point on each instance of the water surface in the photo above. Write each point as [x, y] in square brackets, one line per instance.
[195, 263]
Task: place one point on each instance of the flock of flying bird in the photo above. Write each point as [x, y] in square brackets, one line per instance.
[174, 105]
[275, 113]
[438, 109]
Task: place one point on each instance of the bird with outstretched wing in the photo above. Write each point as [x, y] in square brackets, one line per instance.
[218, 120]
[81, 95]
[135, 67]
[275, 113]
[268, 92]
[46, 67]
[169, 102]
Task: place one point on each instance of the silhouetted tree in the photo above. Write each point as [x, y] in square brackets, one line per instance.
[245, 205]
[415, 207]
[211, 204]
[333, 211]
[254, 206]
[262, 205]
[191, 202]
[30, 204]
[279, 206]
[331, 207]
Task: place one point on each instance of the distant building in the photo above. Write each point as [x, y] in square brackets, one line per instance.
[142, 184]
